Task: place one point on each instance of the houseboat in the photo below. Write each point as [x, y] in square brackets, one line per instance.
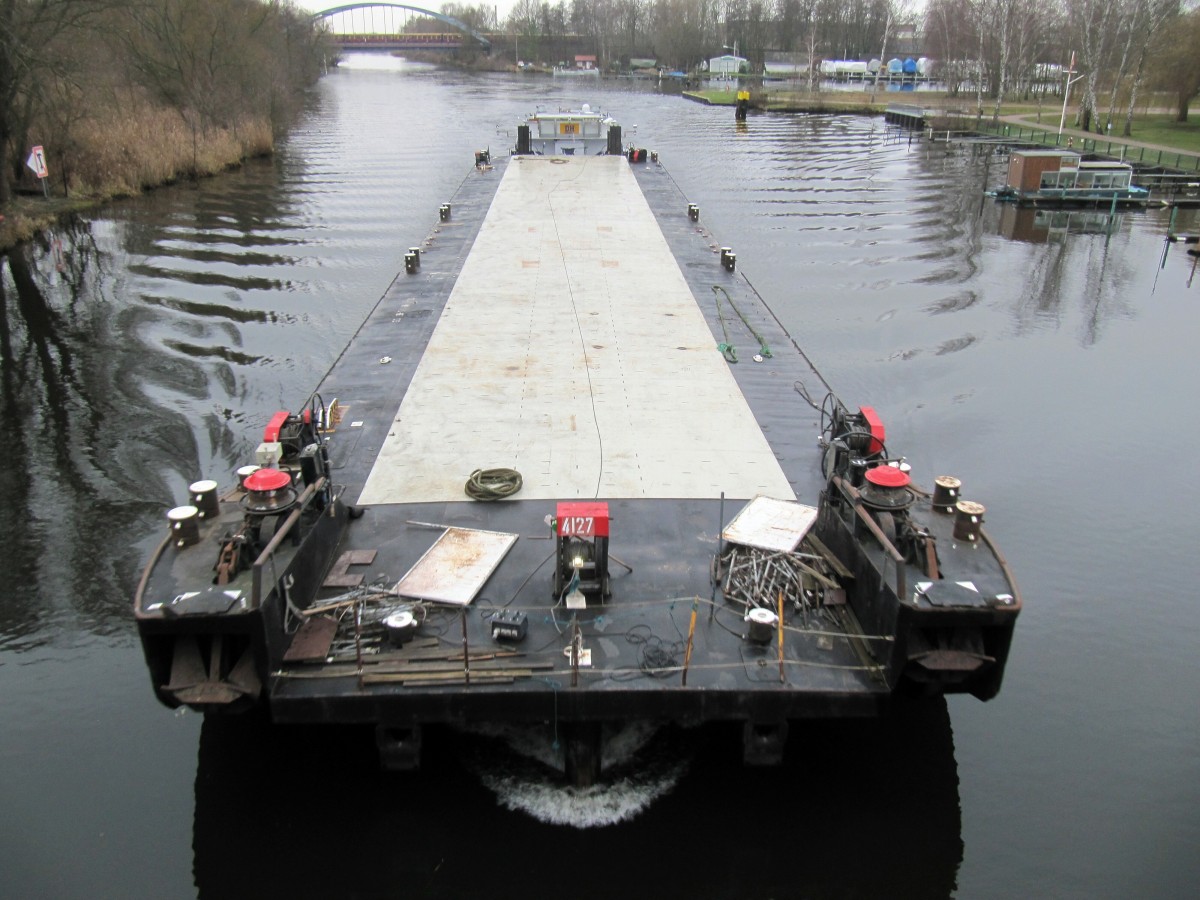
[1064, 177]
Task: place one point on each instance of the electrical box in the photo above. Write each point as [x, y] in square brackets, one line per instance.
[268, 454]
[509, 625]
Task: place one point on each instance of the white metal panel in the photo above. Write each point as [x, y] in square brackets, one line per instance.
[456, 567]
[770, 524]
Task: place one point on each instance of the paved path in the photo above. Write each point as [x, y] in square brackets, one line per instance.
[1029, 120]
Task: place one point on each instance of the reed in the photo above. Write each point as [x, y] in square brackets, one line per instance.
[128, 151]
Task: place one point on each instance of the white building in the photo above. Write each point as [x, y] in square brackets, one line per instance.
[726, 65]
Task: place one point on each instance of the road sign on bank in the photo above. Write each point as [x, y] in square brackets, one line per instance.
[37, 162]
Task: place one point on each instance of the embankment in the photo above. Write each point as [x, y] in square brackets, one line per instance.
[124, 152]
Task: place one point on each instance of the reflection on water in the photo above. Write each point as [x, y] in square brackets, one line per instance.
[80, 429]
[1040, 226]
[861, 809]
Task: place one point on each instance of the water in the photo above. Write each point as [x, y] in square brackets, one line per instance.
[146, 344]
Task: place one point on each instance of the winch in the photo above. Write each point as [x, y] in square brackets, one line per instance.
[290, 441]
[288, 433]
[887, 488]
[856, 454]
[852, 441]
[581, 531]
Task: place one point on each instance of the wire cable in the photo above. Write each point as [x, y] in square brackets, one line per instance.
[579, 328]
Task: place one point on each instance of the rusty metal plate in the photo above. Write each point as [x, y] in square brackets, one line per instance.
[770, 524]
[456, 567]
[312, 641]
[339, 575]
[761, 662]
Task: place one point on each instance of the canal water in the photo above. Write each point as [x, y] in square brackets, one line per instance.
[1047, 361]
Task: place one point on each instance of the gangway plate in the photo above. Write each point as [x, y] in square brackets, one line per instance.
[770, 524]
[456, 567]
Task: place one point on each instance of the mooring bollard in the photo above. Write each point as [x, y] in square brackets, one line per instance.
[693, 212]
[444, 212]
[185, 525]
[946, 491]
[968, 519]
[204, 498]
[728, 259]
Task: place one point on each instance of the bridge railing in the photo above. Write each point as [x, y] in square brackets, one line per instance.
[416, 39]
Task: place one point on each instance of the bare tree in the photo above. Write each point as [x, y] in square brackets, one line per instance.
[950, 35]
[631, 32]
[1016, 27]
[1178, 66]
[481, 16]
[1092, 23]
[887, 27]
[684, 30]
[1157, 13]
[524, 23]
[32, 44]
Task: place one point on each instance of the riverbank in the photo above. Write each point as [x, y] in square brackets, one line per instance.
[123, 155]
[24, 218]
[1153, 124]
[827, 103]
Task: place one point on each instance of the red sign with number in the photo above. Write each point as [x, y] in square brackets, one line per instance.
[582, 519]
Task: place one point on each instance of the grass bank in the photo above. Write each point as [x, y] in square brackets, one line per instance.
[791, 101]
[1149, 126]
[122, 153]
[1153, 128]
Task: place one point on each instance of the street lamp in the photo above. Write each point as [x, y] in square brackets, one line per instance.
[1067, 92]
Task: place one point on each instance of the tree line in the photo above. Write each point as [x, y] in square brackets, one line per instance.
[1000, 49]
[1120, 48]
[128, 93]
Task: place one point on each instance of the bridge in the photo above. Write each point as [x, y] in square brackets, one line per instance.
[397, 26]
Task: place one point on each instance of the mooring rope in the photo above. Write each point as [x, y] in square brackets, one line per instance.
[493, 484]
[763, 349]
[725, 346]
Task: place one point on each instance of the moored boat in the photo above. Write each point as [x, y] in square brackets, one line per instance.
[1064, 177]
[540, 487]
[582, 132]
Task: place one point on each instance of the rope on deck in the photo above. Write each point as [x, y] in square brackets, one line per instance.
[493, 484]
[763, 350]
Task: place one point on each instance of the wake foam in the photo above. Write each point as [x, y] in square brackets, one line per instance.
[523, 768]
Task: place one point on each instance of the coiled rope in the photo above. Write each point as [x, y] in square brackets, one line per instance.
[493, 484]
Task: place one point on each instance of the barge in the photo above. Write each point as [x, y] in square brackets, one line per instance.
[572, 471]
